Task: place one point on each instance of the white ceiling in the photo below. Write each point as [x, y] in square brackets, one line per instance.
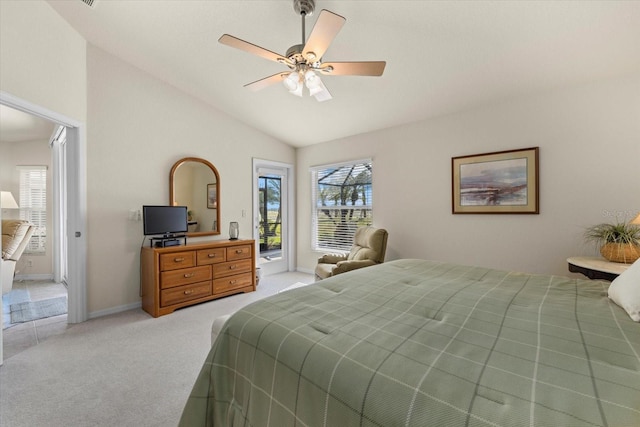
[442, 56]
[16, 126]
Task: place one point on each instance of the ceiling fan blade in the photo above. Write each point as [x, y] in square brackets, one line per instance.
[251, 48]
[323, 94]
[267, 81]
[323, 33]
[365, 68]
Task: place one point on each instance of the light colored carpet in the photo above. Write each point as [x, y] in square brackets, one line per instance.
[34, 310]
[127, 369]
[294, 286]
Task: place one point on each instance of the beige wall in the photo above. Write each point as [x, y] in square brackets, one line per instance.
[42, 61]
[138, 127]
[43, 58]
[589, 139]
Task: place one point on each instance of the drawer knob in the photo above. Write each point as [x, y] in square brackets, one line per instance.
[212, 255]
[189, 292]
[232, 267]
[238, 251]
[232, 282]
[188, 275]
[178, 259]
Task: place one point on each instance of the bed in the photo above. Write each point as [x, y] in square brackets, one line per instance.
[424, 343]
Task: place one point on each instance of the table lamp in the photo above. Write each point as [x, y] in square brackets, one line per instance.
[7, 201]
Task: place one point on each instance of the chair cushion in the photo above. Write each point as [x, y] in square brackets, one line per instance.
[369, 243]
[13, 232]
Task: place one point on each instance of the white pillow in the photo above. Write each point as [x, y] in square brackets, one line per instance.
[625, 290]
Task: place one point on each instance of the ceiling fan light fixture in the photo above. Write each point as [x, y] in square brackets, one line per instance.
[292, 82]
[297, 91]
[312, 80]
[316, 88]
[305, 60]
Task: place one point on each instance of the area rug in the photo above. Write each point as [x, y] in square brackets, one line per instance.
[34, 310]
[15, 296]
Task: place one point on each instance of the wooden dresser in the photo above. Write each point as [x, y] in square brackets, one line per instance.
[179, 276]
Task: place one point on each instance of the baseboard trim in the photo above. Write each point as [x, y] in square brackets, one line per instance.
[114, 310]
[21, 277]
[304, 270]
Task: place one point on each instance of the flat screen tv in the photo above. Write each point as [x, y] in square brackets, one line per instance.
[164, 220]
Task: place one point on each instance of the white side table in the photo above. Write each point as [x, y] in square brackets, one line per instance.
[596, 267]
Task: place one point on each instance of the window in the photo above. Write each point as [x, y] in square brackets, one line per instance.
[33, 204]
[342, 202]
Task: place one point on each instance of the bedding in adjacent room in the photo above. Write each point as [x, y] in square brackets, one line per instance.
[418, 343]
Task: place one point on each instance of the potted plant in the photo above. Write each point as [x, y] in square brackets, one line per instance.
[618, 242]
[189, 215]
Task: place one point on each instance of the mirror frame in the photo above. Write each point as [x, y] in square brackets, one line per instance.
[172, 194]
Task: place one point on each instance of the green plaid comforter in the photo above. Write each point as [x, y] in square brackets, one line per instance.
[422, 343]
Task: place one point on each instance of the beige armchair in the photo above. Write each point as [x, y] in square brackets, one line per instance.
[15, 238]
[369, 247]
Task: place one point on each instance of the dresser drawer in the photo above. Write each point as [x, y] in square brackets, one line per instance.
[211, 256]
[177, 260]
[238, 252]
[173, 278]
[232, 282]
[185, 293]
[230, 268]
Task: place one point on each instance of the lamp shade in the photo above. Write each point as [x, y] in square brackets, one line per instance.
[636, 220]
[312, 80]
[292, 81]
[7, 201]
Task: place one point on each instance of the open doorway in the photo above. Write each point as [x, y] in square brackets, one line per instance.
[68, 172]
[32, 163]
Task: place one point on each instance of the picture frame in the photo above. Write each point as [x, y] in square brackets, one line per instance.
[212, 196]
[502, 182]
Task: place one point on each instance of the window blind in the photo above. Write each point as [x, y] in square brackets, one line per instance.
[342, 197]
[33, 204]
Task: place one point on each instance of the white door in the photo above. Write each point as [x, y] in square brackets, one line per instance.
[59, 161]
[272, 216]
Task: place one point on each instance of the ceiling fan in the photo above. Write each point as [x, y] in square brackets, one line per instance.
[305, 60]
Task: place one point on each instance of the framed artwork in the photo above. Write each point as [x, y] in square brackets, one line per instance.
[212, 196]
[504, 182]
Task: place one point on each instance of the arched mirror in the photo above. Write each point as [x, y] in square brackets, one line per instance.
[195, 183]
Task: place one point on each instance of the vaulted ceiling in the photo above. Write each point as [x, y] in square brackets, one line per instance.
[442, 56]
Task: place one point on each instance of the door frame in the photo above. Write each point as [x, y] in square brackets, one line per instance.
[76, 203]
[288, 214]
[58, 161]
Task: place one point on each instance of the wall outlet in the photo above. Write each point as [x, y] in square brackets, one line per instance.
[29, 263]
[135, 215]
